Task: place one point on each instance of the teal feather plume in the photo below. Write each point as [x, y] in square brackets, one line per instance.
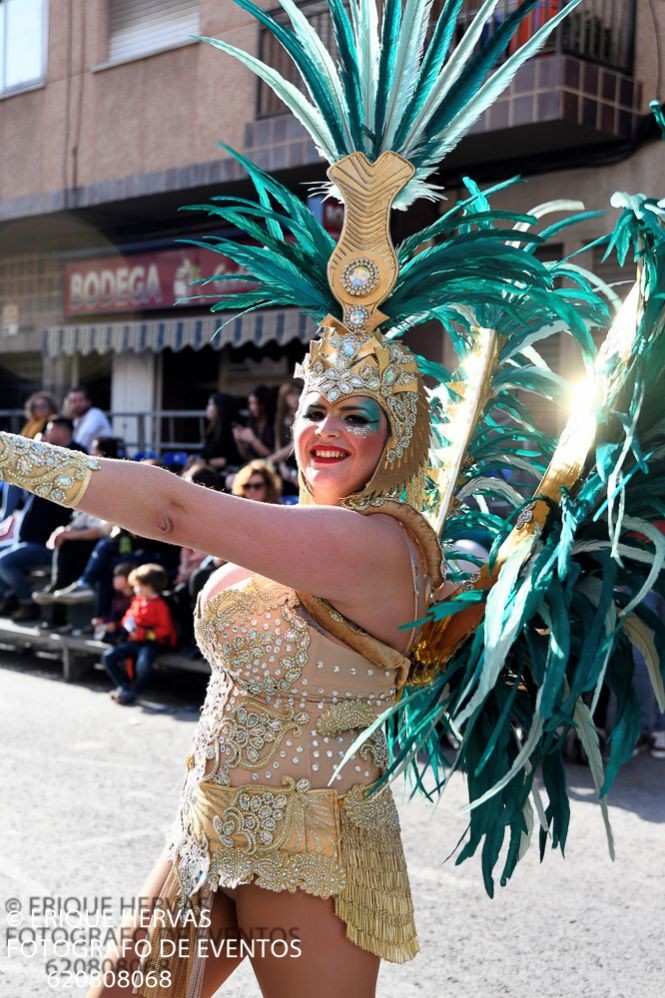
[391, 24]
[450, 71]
[365, 18]
[285, 271]
[350, 73]
[321, 58]
[407, 60]
[314, 69]
[475, 69]
[442, 133]
[391, 89]
[430, 68]
[306, 112]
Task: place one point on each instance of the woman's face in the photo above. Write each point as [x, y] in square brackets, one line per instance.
[338, 444]
[211, 410]
[255, 488]
[40, 408]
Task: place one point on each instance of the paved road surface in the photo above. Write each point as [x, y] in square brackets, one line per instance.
[88, 789]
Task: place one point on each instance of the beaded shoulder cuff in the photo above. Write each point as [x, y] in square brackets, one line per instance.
[55, 473]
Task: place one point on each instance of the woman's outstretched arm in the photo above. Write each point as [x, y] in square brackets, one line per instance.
[349, 559]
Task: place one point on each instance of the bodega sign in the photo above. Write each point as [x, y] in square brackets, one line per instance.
[143, 281]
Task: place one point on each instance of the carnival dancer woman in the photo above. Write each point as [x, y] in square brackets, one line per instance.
[284, 819]
[302, 633]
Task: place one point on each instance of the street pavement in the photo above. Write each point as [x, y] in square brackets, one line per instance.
[90, 788]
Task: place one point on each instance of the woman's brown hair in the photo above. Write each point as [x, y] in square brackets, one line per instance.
[258, 467]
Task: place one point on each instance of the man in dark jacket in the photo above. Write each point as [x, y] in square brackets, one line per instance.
[40, 519]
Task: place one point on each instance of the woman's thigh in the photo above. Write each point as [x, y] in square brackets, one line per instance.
[320, 960]
[221, 960]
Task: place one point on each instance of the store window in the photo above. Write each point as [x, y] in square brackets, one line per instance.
[23, 34]
[141, 27]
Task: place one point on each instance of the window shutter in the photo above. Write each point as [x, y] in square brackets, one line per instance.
[138, 27]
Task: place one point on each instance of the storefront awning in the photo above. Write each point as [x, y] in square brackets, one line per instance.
[280, 326]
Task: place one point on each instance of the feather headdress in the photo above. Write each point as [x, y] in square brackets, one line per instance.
[518, 657]
[393, 89]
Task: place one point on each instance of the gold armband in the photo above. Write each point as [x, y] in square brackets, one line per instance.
[56, 473]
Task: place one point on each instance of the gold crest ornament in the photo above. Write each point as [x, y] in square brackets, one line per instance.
[352, 357]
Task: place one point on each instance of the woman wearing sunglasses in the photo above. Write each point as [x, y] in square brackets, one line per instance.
[258, 480]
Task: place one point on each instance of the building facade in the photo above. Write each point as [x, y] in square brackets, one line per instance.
[109, 115]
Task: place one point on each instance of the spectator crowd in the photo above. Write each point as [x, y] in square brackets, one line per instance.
[141, 593]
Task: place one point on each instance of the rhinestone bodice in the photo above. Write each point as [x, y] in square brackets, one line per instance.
[285, 699]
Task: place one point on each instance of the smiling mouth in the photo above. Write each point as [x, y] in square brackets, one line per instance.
[329, 455]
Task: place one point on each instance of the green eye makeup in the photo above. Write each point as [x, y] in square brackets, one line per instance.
[363, 420]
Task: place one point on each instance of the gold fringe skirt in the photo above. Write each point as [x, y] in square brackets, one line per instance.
[345, 846]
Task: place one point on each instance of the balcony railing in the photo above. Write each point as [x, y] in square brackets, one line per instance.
[600, 31]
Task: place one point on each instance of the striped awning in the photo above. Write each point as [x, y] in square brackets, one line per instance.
[175, 334]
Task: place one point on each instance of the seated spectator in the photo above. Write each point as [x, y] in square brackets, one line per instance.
[147, 630]
[89, 421]
[106, 447]
[96, 582]
[109, 628]
[72, 545]
[39, 408]
[258, 480]
[257, 439]
[40, 519]
[219, 448]
[201, 474]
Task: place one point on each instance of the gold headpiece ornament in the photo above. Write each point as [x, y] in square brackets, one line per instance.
[352, 357]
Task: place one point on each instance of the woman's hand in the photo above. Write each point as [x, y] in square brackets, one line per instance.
[246, 437]
[243, 434]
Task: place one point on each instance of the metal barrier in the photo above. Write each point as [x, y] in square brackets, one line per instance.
[161, 432]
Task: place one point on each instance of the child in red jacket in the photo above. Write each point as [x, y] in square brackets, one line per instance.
[149, 629]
